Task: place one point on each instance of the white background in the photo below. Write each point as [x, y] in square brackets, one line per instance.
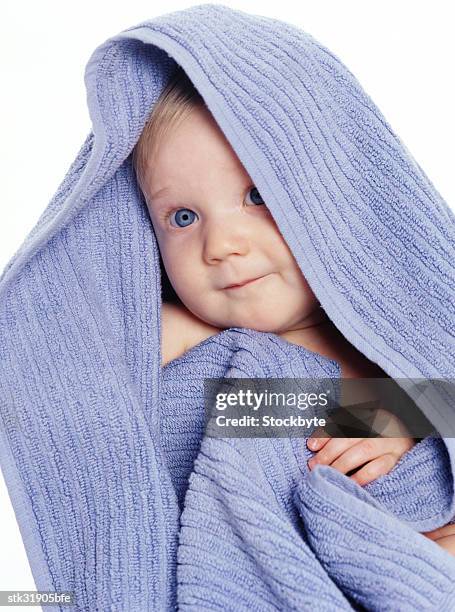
[401, 52]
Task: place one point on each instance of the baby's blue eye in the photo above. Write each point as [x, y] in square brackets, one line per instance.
[183, 217]
[255, 196]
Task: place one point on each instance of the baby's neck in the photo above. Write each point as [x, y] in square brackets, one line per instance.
[317, 333]
[315, 326]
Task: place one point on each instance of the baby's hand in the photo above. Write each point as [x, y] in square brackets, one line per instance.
[377, 455]
[444, 536]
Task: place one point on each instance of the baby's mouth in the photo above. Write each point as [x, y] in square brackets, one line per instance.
[245, 283]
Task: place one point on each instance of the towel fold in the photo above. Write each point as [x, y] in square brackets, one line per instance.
[373, 558]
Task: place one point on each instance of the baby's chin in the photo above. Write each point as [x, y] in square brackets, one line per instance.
[265, 315]
[263, 323]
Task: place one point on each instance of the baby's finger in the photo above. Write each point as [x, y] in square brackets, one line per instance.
[448, 543]
[357, 455]
[441, 532]
[378, 467]
[331, 450]
[315, 444]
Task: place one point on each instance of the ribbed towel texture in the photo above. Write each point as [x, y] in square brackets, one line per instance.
[117, 497]
[259, 532]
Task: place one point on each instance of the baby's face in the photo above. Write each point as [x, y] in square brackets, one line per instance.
[214, 230]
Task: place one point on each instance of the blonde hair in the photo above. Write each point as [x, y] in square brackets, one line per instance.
[176, 101]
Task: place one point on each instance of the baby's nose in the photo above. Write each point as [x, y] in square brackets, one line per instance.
[223, 239]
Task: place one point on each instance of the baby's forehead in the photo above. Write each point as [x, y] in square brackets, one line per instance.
[163, 181]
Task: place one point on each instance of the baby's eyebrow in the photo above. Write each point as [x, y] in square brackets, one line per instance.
[157, 194]
[161, 192]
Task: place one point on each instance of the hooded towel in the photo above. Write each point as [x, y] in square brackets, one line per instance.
[83, 447]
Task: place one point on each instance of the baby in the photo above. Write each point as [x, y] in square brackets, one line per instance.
[228, 264]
